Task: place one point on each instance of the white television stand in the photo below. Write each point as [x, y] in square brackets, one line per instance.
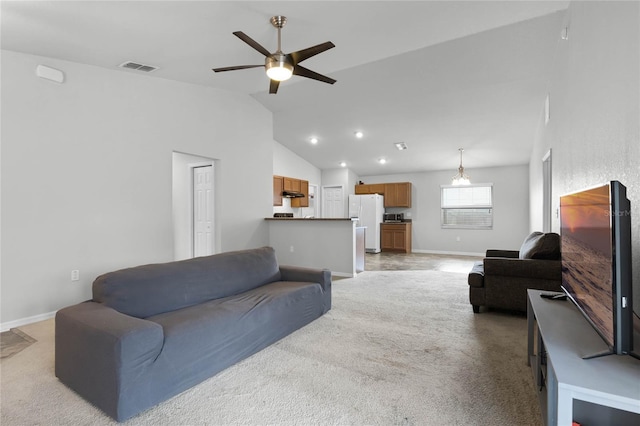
[602, 391]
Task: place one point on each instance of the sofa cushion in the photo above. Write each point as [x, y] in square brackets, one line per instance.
[209, 337]
[149, 290]
[539, 245]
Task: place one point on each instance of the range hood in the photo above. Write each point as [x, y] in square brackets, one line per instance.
[292, 194]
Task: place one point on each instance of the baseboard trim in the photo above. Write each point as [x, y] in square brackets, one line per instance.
[456, 253]
[6, 326]
[342, 274]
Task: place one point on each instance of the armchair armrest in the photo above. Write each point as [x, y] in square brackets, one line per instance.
[503, 253]
[98, 350]
[525, 268]
[320, 276]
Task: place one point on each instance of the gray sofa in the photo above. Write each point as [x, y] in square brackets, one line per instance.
[153, 331]
[502, 278]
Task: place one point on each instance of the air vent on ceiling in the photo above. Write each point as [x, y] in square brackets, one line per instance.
[401, 146]
[138, 67]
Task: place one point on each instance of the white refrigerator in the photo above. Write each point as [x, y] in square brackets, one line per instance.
[369, 209]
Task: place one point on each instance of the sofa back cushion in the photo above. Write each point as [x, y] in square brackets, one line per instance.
[149, 290]
[539, 245]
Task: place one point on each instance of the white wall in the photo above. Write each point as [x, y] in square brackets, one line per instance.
[510, 210]
[594, 126]
[317, 243]
[87, 180]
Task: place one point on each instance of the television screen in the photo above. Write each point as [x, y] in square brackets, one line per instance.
[596, 260]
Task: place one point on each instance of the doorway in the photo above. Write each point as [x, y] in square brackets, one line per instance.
[333, 201]
[195, 227]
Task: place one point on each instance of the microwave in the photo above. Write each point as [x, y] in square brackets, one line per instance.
[393, 217]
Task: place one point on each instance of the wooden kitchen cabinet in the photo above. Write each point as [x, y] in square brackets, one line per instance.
[374, 188]
[278, 187]
[303, 201]
[397, 194]
[291, 184]
[395, 237]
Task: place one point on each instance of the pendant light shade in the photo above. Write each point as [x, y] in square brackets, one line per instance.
[461, 178]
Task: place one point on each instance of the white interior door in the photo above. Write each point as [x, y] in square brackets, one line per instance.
[202, 211]
[333, 201]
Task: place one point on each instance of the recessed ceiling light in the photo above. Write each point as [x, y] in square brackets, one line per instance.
[401, 146]
[343, 164]
[314, 140]
[359, 134]
[382, 160]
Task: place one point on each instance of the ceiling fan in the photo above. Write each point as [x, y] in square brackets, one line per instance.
[281, 66]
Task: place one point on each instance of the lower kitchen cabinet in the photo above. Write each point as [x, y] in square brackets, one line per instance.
[396, 237]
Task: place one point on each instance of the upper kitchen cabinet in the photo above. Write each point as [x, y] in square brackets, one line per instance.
[397, 194]
[278, 187]
[291, 184]
[374, 188]
[302, 201]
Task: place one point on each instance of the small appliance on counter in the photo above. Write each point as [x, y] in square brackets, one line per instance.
[393, 217]
[283, 215]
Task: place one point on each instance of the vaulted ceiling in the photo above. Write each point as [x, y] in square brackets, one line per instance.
[436, 75]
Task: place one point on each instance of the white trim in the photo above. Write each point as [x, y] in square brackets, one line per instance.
[343, 274]
[456, 253]
[5, 326]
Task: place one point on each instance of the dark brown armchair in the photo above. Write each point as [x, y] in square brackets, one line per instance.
[501, 280]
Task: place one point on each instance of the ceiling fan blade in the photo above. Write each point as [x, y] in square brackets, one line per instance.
[273, 86]
[251, 42]
[237, 67]
[303, 54]
[305, 72]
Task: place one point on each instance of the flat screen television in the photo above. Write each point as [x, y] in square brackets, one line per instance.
[595, 235]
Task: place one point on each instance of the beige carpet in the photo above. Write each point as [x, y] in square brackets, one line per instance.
[398, 348]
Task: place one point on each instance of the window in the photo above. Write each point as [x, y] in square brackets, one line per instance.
[469, 206]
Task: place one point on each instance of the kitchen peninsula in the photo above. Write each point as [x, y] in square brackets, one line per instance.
[333, 243]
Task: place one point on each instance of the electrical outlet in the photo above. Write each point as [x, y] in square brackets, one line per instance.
[291, 249]
[75, 275]
[458, 239]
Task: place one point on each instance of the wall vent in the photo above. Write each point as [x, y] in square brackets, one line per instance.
[138, 67]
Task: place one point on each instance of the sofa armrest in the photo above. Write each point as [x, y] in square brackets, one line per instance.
[525, 268]
[300, 274]
[98, 350]
[503, 253]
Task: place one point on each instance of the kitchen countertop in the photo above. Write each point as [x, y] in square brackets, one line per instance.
[312, 218]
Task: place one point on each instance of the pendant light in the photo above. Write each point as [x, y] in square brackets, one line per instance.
[460, 178]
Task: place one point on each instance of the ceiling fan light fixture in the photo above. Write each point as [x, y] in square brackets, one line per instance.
[278, 67]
